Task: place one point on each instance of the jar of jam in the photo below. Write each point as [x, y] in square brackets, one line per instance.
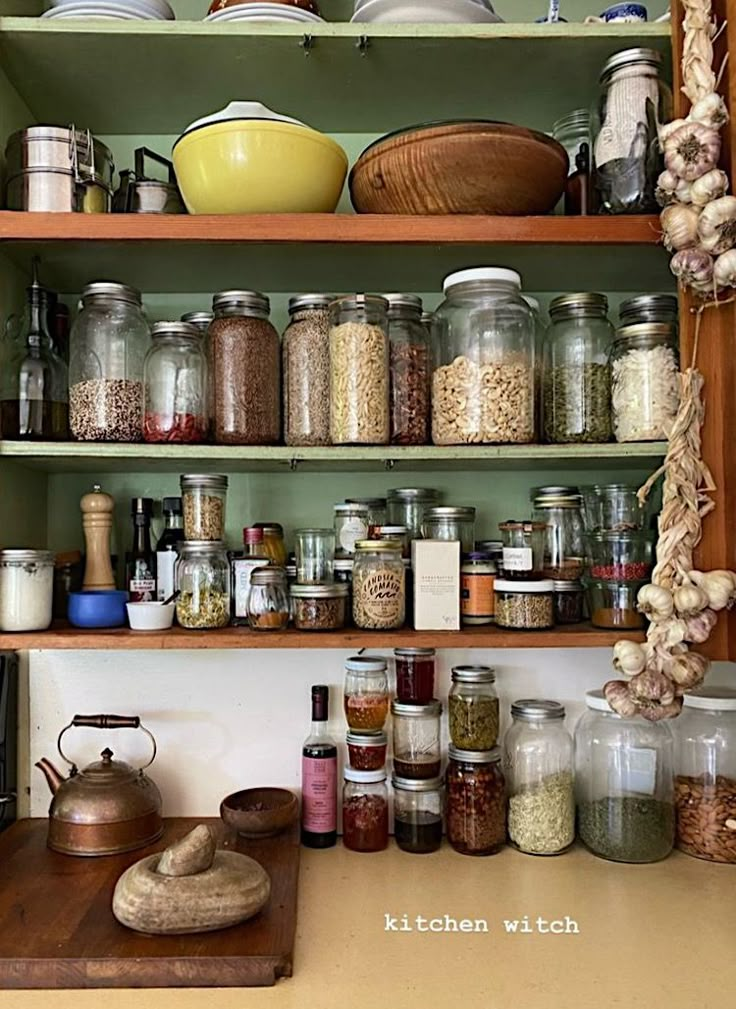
[364, 810]
[367, 750]
[476, 801]
[416, 730]
[366, 693]
[415, 669]
[418, 814]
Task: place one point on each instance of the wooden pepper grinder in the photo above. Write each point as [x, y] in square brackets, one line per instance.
[97, 509]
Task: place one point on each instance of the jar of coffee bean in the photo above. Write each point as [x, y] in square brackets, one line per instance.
[476, 801]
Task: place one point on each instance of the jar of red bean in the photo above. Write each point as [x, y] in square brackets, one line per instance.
[416, 730]
[476, 801]
[366, 693]
[364, 810]
[415, 674]
[367, 750]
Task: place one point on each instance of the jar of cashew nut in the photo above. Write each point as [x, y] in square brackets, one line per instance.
[359, 371]
[483, 383]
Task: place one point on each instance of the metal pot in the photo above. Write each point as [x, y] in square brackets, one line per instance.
[140, 195]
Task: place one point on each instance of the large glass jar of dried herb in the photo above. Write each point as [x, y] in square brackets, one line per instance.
[624, 777]
[203, 584]
[473, 704]
[576, 372]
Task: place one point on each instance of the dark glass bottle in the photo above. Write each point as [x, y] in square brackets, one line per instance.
[167, 548]
[319, 777]
[579, 193]
[140, 562]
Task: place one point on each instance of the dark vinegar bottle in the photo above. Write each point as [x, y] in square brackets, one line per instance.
[319, 777]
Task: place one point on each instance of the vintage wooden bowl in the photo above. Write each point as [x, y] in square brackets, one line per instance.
[305, 5]
[464, 167]
[260, 812]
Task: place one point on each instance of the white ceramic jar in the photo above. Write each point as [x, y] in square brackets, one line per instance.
[26, 590]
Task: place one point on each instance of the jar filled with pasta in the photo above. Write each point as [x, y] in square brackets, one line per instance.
[359, 371]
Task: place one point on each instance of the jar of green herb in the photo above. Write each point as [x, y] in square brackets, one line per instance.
[473, 706]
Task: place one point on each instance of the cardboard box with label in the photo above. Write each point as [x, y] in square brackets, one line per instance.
[436, 566]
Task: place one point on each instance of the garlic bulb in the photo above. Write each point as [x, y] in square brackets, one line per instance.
[667, 129]
[629, 658]
[655, 602]
[689, 600]
[692, 151]
[687, 670]
[710, 111]
[711, 186]
[652, 686]
[693, 268]
[724, 269]
[700, 626]
[679, 227]
[717, 225]
[659, 712]
[667, 184]
[719, 586]
[617, 694]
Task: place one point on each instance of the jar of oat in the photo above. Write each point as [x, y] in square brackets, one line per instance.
[484, 379]
[203, 497]
[203, 584]
[306, 371]
[379, 585]
[246, 364]
[410, 370]
[109, 342]
[645, 382]
[359, 371]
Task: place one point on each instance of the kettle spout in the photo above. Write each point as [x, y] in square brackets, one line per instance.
[52, 776]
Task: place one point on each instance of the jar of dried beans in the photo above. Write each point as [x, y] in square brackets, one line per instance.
[560, 508]
[416, 729]
[203, 584]
[306, 371]
[415, 671]
[418, 814]
[203, 497]
[246, 362]
[359, 371]
[646, 383]
[379, 585]
[473, 706]
[175, 386]
[367, 750]
[366, 693]
[476, 801]
[364, 810]
[410, 370]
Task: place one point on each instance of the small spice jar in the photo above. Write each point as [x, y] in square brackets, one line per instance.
[410, 363]
[377, 510]
[613, 604]
[359, 371]
[525, 606]
[306, 371]
[523, 549]
[366, 693]
[645, 382]
[364, 810]
[319, 607]
[203, 499]
[415, 673]
[175, 405]
[625, 556]
[560, 508]
[569, 602]
[379, 586]
[614, 507]
[450, 523]
[473, 706]
[406, 507]
[367, 750]
[26, 590]
[418, 814]
[351, 524]
[268, 601]
[203, 584]
[315, 556]
[477, 578]
[476, 801]
[416, 729]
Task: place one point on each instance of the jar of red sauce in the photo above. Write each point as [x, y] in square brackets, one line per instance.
[365, 810]
[367, 750]
[415, 669]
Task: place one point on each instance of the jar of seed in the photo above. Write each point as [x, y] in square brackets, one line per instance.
[379, 585]
[203, 584]
[411, 365]
[476, 801]
[359, 371]
[473, 706]
[525, 606]
[319, 607]
[203, 503]
[306, 371]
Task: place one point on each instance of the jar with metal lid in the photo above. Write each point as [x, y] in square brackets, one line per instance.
[539, 766]
[416, 737]
[306, 371]
[203, 498]
[418, 814]
[366, 693]
[26, 590]
[624, 779]
[377, 509]
[473, 707]
[315, 556]
[406, 507]
[411, 365]
[367, 750]
[379, 586]
[395, 534]
[203, 584]
[344, 570]
[175, 381]
[200, 320]
[246, 364]
[705, 787]
[525, 606]
[577, 376]
[352, 522]
[359, 371]
[319, 607]
[564, 552]
[415, 674]
[268, 599]
[645, 382]
[569, 602]
[633, 103]
[109, 341]
[450, 523]
[660, 308]
[523, 549]
[476, 801]
[364, 810]
[573, 131]
[483, 384]
[273, 542]
[477, 578]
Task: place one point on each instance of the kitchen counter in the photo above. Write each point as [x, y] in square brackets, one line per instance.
[649, 937]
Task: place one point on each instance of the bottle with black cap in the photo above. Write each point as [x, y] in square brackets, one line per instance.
[319, 777]
[140, 561]
[167, 548]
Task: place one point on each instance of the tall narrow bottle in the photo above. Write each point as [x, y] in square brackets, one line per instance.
[168, 546]
[319, 777]
[140, 562]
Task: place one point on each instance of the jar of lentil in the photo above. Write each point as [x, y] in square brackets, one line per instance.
[569, 602]
[315, 556]
[366, 693]
[525, 606]
[476, 801]
[416, 729]
[477, 578]
[406, 507]
[415, 672]
[203, 583]
[379, 586]
[418, 814]
[268, 600]
[538, 762]
[523, 550]
[359, 371]
[450, 523]
[204, 496]
[367, 750]
[273, 542]
[365, 810]
[246, 362]
[319, 607]
[560, 508]
[175, 407]
[306, 371]
[473, 706]
[351, 525]
[645, 382]
[410, 363]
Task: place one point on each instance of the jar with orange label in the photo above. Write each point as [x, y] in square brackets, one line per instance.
[477, 579]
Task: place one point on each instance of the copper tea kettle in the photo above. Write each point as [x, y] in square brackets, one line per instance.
[108, 807]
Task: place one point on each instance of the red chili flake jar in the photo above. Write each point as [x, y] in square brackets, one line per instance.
[366, 693]
[175, 407]
[365, 810]
[622, 556]
[415, 668]
[367, 751]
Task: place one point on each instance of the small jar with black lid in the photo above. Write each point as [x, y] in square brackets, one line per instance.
[569, 602]
[418, 814]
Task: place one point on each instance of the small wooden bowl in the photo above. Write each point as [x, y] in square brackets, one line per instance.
[260, 812]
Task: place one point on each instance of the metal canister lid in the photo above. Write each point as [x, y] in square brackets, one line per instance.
[345, 508]
[398, 302]
[516, 525]
[643, 333]
[351, 301]
[373, 503]
[474, 756]
[392, 546]
[534, 710]
[581, 303]
[112, 290]
[450, 512]
[334, 590]
[366, 664]
[303, 302]
[180, 329]
[568, 585]
[432, 709]
[271, 575]
[202, 547]
[554, 490]
[649, 308]
[245, 300]
[206, 481]
[201, 320]
[473, 674]
[408, 653]
[377, 738]
[630, 57]
[409, 494]
[417, 784]
[23, 556]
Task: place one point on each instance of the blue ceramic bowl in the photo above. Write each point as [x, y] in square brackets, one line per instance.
[627, 12]
[105, 608]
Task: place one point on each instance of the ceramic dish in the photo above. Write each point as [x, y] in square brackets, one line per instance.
[425, 12]
[260, 812]
[97, 609]
[263, 11]
[157, 8]
[150, 616]
[307, 5]
[100, 10]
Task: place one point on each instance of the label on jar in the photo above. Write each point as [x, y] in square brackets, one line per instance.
[378, 598]
[243, 568]
[476, 595]
[165, 567]
[352, 530]
[517, 558]
[319, 794]
[633, 770]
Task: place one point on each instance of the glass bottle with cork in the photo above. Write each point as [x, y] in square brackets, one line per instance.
[167, 548]
[140, 561]
[319, 777]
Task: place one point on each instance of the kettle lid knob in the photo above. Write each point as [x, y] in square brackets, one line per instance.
[106, 755]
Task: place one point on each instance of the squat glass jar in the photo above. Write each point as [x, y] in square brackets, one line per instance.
[418, 814]
[379, 586]
[523, 550]
[269, 608]
[366, 693]
[315, 556]
[359, 371]
[407, 505]
[525, 606]
[646, 382]
[561, 509]
[203, 497]
[175, 386]
[411, 366]
[473, 707]
[415, 673]
[319, 607]
[476, 801]
[203, 584]
[26, 590]
[416, 729]
[450, 523]
[306, 371]
[364, 810]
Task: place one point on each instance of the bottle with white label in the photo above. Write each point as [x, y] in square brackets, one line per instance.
[319, 777]
[243, 565]
[167, 548]
[140, 561]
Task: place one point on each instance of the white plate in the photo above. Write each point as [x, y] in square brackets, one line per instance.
[159, 9]
[86, 8]
[468, 12]
[264, 11]
[95, 14]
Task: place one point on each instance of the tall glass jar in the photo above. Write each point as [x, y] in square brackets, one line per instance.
[645, 382]
[175, 385]
[379, 586]
[109, 341]
[364, 810]
[411, 365]
[359, 371]
[577, 377]
[315, 556]
[483, 382]
[416, 730]
[273, 542]
[705, 788]
[407, 505]
[246, 364]
[418, 814]
[561, 509]
[538, 762]
[203, 498]
[203, 584]
[473, 707]
[450, 523]
[633, 103]
[202, 322]
[377, 509]
[306, 371]
[366, 693]
[476, 801]
[269, 607]
[624, 778]
[415, 674]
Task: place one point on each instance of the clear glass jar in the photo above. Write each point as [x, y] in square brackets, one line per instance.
[367, 750]
[705, 787]
[352, 522]
[477, 578]
[203, 584]
[109, 342]
[650, 308]
[202, 322]
[319, 607]
[406, 507]
[523, 550]
[577, 375]
[633, 103]
[394, 534]
[473, 708]
[366, 693]
[359, 371]
[273, 542]
[525, 606]
[476, 801]
[485, 345]
[306, 371]
[416, 736]
[268, 600]
[246, 364]
[614, 507]
[26, 590]
[561, 509]
[175, 386]
[377, 510]
[573, 131]
[538, 762]
[626, 556]
[613, 605]
[415, 674]
[418, 814]
[569, 602]
[203, 499]
[379, 586]
[315, 556]
[411, 365]
[645, 382]
[624, 779]
[364, 810]
[450, 523]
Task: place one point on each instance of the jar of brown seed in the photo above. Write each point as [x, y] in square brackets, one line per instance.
[306, 371]
[410, 370]
[359, 371]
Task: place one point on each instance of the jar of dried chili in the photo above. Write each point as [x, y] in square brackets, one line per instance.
[365, 810]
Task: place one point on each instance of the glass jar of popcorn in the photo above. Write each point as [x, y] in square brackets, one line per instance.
[359, 371]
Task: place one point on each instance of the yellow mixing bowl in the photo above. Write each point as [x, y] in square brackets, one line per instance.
[259, 166]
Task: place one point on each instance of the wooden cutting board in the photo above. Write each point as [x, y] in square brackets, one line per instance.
[57, 929]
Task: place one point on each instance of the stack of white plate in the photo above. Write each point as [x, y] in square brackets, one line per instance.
[111, 10]
[264, 12]
[425, 12]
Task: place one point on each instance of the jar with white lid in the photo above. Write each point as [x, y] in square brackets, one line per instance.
[26, 590]
[359, 371]
[525, 606]
[645, 382]
[366, 693]
[306, 371]
[364, 810]
[351, 525]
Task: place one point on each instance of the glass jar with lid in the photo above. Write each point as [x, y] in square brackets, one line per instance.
[525, 606]
[364, 810]
[406, 507]
[175, 381]
[379, 586]
[203, 584]
[523, 549]
[246, 365]
[561, 509]
[476, 801]
[483, 384]
[574, 133]
[109, 342]
[367, 750]
[573, 130]
[203, 498]
[660, 308]
[473, 707]
[366, 693]
[624, 779]
[614, 507]
[450, 523]
[315, 556]
[319, 607]
[26, 590]
[377, 509]
[705, 787]
[538, 763]
[352, 522]
[645, 382]
[273, 542]
[415, 674]
[418, 814]
[416, 735]
[569, 602]
[306, 371]
[202, 322]
[396, 534]
[269, 608]
[411, 366]
[359, 371]
[577, 376]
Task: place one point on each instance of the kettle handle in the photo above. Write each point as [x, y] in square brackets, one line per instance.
[106, 722]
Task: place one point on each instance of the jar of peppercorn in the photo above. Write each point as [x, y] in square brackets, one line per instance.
[415, 669]
[365, 810]
[418, 814]
[476, 801]
[416, 739]
[366, 693]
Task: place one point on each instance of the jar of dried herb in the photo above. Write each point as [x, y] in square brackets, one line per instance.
[525, 606]
[203, 584]
[473, 707]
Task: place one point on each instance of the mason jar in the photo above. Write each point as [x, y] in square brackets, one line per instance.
[645, 382]
[364, 810]
[203, 583]
[175, 407]
[26, 590]
[203, 498]
[561, 508]
[377, 510]
[662, 308]
[202, 322]
[407, 505]
[418, 814]
[359, 371]
[477, 580]
[473, 708]
[269, 607]
[416, 729]
[411, 365]
[273, 542]
[450, 523]
[352, 522]
[379, 586]
[415, 674]
[306, 371]
[366, 693]
[476, 801]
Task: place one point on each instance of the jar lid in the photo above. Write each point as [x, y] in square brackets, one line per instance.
[207, 481]
[397, 302]
[372, 503]
[450, 512]
[417, 784]
[649, 305]
[554, 490]
[474, 756]
[473, 674]
[180, 329]
[527, 526]
[335, 590]
[571, 501]
[578, 119]
[112, 290]
[202, 546]
[344, 564]
[271, 575]
[366, 664]
[496, 274]
[431, 709]
[570, 585]
[290, 570]
[375, 301]
[492, 547]
[537, 711]
[525, 588]
[413, 494]
[302, 302]
[378, 546]
[273, 528]
[711, 699]
[580, 303]
[366, 738]
[407, 653]
[343, 509]
[198, 318]
[642, 333]
[22, 556]
[479, 555]
[253, 300]
[366, 777]
[629, 57]
[427, 318]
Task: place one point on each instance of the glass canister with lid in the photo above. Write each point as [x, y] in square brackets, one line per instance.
[415, 674]
[660, 308]
[306, 371]
[315, 556]
[476, 801]
[483, 384]
[416, 735]
[268, 600]
[573, 131]
[352, 522]
[175, 406]
[365, 810]
[203, 584]
[525, 606]
[379, 585]
[320, 607]
[561, 509]
[377, 509]
[109, 342]
[26, 590]
[411, 366]
[473, 708]
[645, 382]
[203, 497]
[447, 522]
[523, 549]
[407, 505]
[359, 371]
[418, 814]
[366, 693]
[273, 542]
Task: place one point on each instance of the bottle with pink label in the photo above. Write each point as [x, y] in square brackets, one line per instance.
[319, 777]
